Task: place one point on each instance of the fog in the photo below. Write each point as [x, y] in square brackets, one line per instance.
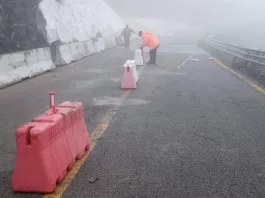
[234, 21]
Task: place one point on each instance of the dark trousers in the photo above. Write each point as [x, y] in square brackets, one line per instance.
[127, 42]
[152, 54]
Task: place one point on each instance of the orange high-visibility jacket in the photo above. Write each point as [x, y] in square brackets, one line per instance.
[150, 40]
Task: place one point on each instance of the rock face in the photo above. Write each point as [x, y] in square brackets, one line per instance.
[77, 20]
[29, 24]
[18, 27]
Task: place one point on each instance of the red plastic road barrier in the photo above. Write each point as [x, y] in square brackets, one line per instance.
[41, 158]
[76, 131]
[122, 41]
[129, 78]
[119, 40]
[48, 146]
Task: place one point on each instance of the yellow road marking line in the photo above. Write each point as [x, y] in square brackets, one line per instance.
[250, 83]
[97, 133]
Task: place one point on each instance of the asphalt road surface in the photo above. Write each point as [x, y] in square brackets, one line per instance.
[190, 129]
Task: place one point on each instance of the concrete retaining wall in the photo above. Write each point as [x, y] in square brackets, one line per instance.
[17, 66]
[68, 53]
[26, 64]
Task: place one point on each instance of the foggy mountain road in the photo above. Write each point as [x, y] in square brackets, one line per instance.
[193, 127]
[196, 131]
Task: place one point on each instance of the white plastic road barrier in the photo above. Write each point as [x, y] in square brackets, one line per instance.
[32, 62]
[39, 61]
[69, 53]
[45, 59]
[64, 55]
[73, 48]
[26, 64]
[77, 51]
[20, 65]
[88, 47]
[146, 54]
[138, 57]
[85, 44]
[15, 68]
[136, 42]
[97, 47]
[81, 50]
[130, 75]
[102, 44]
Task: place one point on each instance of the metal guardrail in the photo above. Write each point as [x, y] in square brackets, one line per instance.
[250, 55]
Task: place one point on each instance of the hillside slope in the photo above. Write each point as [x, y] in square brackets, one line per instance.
[37, 23]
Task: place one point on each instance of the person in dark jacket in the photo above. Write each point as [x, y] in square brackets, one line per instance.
[126, 33]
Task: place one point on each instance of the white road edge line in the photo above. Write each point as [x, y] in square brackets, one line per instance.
[184, 62]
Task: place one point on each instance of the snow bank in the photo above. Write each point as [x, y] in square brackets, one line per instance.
[78, 20]
[20, 65]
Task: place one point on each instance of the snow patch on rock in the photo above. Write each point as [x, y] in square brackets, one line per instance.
[78, 20]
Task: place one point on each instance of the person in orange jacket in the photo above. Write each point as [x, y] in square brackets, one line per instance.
[149, 40]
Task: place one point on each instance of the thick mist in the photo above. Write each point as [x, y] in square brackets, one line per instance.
[234, 21]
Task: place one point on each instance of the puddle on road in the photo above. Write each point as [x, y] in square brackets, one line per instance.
[83, 84]
[117, 80]
[93, 70]
[78, 86]
[117, 101]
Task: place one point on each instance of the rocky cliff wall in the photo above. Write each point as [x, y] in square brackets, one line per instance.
[18, 27]
[29, 24]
